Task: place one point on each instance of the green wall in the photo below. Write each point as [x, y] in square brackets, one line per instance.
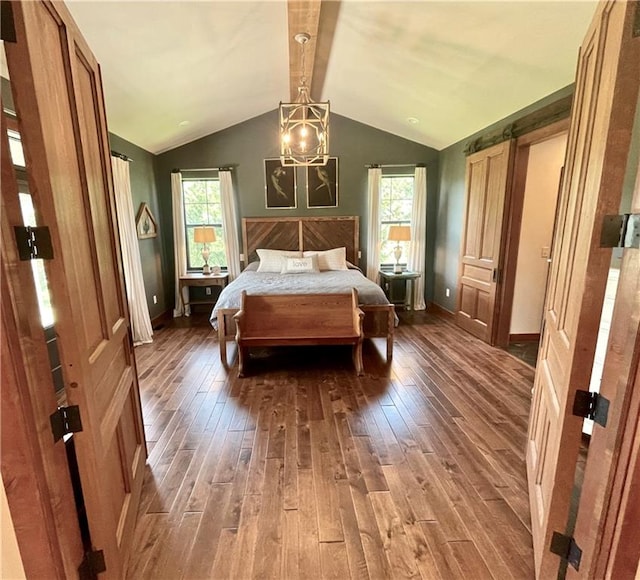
[152, 250]
[246, 145]
[450, 204]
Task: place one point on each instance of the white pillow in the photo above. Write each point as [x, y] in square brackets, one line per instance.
[271, 260]
[335, 259]
[300, 265]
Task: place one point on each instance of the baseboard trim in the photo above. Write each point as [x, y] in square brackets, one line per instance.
[437, 309]
[161, 319]
[524, 337]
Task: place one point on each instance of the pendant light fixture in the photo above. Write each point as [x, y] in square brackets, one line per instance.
[304, 125]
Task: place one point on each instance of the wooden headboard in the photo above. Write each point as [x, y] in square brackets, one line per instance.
[301, 233]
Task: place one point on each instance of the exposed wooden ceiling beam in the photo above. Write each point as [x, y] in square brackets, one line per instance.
[305, 16]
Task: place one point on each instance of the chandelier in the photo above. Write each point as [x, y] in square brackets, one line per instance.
[304, 125]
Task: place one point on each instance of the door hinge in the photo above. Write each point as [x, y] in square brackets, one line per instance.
[92, 565]
[64, 421]
[33, 242]
[591, 405]
[566, 548]
[620, 231]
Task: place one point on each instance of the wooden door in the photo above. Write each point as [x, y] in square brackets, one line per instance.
[599, 138]
[486, 187]
[608, 520]
[58, 95]
[35, 471]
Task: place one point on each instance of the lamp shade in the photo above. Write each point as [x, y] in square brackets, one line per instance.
[204, 235]
[399, 233]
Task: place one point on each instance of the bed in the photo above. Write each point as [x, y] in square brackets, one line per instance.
[303, 234]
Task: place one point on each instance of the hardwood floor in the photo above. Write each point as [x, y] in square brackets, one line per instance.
[304, 470]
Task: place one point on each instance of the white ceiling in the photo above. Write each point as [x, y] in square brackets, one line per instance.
[455, 66]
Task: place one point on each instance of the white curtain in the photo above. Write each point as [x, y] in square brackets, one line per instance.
[373, 235]
[179, 242]
[134, 283]
[229, 223]
[417, 247]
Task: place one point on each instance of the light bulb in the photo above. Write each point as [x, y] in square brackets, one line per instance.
[286, 138]
[303, 145]
[303, 131]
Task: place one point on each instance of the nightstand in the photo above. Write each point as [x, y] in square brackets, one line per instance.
[201, 280]
[387, 280]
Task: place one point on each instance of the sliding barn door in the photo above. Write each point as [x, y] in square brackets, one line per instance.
[486, 186]
[58, 94]
[599, 138]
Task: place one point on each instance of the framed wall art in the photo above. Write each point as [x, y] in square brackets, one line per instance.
[322, 184]
[280, 185]
[146, 226]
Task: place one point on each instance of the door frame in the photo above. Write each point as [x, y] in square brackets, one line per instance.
[610, 494]
[35, 470]
[514, 203]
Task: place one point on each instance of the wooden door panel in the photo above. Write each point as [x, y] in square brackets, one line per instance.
[131, 430]
[557, 293]
[109, 373]
[121, 466]
[477, 277]
[477, 179]
[591, 189]
[468, 300]
[56, 75]
[486, 184]
[554, 364]
[483, 308]
[494, 207]
[97, 179]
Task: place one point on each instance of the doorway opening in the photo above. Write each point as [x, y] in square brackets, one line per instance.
[531, 214]
[544, 167]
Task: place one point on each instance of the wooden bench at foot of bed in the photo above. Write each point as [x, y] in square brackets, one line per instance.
[298, 320]
[379, 322]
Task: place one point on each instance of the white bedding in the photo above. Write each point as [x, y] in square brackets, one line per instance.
[329, 282]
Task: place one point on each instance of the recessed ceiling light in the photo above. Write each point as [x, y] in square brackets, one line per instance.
[413, 120]
[183, 123]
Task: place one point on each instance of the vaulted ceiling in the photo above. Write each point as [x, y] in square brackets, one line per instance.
[430, 71]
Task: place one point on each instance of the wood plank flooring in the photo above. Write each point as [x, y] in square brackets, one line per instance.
[304, 470]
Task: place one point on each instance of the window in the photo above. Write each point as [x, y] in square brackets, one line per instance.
[396, 204]
[203, 207]
[15, 147]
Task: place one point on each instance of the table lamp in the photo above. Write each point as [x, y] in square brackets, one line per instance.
[399, 234]
[205, 235]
